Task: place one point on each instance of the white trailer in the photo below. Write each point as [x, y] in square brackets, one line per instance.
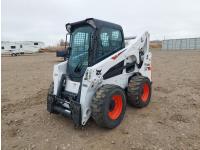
[20, 47]
[12, 48]
[32, 46]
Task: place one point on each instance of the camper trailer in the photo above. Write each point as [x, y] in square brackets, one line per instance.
[20, 47]
[12, 48]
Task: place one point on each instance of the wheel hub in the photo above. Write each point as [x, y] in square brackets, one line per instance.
[145, 92]
[115, 107]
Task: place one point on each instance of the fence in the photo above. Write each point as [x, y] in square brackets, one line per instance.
[186, 44]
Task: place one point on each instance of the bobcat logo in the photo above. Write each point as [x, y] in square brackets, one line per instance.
[98, 72]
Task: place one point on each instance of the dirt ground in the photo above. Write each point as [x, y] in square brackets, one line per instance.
[171, 121]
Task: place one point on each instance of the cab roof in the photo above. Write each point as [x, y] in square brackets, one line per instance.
[95, 23]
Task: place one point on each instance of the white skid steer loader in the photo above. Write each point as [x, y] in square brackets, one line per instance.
[101, 74]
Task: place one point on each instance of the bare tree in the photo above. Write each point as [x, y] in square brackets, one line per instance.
[62, 42]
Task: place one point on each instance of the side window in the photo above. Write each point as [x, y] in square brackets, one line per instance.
[104, 39]
[110, 41]
[12, 47]
[2, 47]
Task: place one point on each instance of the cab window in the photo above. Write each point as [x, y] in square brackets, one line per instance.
[110, 41]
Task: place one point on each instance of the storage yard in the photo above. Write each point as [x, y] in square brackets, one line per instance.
[171, 121]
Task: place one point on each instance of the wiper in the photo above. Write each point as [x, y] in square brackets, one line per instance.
[78, 67]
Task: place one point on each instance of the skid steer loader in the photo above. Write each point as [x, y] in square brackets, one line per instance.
[103, 71]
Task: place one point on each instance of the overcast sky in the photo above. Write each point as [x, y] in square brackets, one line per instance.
[44, 20]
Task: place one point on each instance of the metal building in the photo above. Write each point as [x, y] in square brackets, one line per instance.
[181, 44]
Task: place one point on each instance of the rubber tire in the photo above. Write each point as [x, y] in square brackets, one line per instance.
[134, 91]
[51, 100]
[100, 106]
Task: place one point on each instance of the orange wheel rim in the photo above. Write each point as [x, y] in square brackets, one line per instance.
[115, 107]
[145, 93]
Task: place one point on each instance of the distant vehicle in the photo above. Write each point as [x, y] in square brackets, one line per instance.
[20, 47]
[12, 49]
[16, 52]
[62, 53]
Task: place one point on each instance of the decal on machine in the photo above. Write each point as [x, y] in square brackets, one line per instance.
[98, 72]
[115, 56]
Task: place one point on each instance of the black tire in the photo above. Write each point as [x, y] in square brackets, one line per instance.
[51, 100]
[139, 91]
[109, 101]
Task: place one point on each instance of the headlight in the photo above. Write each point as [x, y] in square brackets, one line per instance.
[88, 74]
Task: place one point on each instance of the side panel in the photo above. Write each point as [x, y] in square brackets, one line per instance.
[88, 89]
[59, 69]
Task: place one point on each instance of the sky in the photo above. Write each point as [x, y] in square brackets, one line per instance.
[44, 20]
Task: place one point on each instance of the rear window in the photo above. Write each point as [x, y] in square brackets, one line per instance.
[110, 41]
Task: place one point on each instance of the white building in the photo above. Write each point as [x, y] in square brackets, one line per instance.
[20, 47]
[181, 44]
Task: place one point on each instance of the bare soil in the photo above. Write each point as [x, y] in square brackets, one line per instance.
[171, 121]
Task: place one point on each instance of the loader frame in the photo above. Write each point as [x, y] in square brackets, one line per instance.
[74, 97]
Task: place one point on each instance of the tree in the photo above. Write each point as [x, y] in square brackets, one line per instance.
[62, 42]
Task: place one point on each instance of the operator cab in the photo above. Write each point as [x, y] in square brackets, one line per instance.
[91, 41]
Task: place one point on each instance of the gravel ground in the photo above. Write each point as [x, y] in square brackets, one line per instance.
[171, 121]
